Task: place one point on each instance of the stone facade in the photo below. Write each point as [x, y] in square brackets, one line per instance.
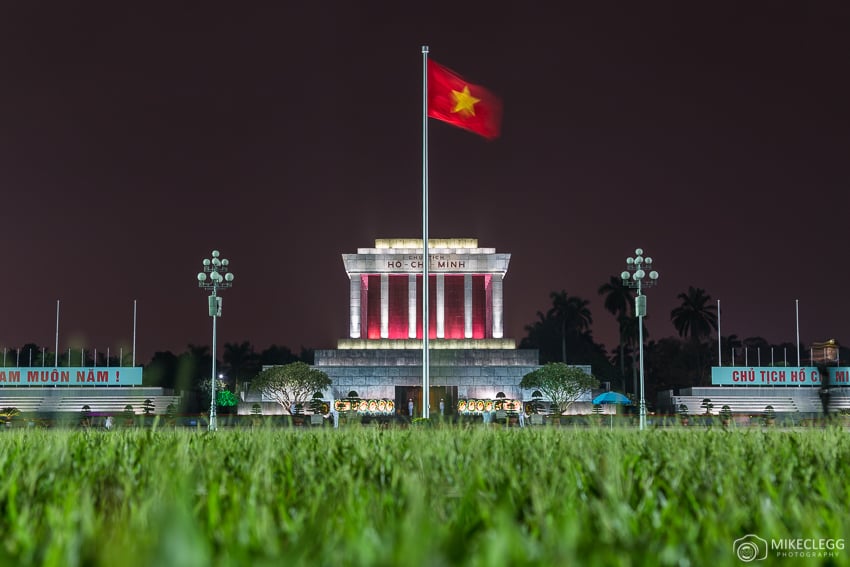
[476, 373]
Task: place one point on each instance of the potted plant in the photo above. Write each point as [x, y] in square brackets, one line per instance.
[536, 401]
[129, 416]
[769, 416]
[298, 416]
[725, 415]
[316, 403]
[707, 405]
[171, 414]
[8, 414]
[85, 416]
[597, 414]
[683, 414]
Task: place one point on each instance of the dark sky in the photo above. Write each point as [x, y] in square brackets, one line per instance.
[137, 137]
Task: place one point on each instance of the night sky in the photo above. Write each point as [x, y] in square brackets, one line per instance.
[137, 137]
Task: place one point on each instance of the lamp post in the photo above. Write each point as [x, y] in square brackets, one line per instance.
[635, 276]
[219, 278]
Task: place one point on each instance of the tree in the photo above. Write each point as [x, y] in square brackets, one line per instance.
[291, 384]
[562, 384]
[727, 344]
[563, 332]
[572, 315]
[28, 354]
[667, 366]
[618, 302]
[205, 386]
[193, 367]
[162, 370]
[276, 354]
[226, 399]
[694, 318]
[241, 361]
[753, 347]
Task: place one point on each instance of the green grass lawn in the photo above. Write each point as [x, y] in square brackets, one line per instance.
[417, 496]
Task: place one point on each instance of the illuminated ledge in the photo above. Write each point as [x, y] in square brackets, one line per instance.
[433, 344]
[384, 243]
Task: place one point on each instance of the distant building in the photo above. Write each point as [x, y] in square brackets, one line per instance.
[790, 392]
[58, 391]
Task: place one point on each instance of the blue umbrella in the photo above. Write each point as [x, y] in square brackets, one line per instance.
[611, 398]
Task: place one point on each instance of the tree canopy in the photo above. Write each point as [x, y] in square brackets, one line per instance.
[695, 318]
[562, 384]
[293, 383]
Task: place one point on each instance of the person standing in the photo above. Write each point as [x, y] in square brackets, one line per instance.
[108, 423]
[410, 408]
[442, 407]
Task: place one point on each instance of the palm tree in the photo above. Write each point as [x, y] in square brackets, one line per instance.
[564, 332]
[618, 302]
[695, 318]
[573, 315]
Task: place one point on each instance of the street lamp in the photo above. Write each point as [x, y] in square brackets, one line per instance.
[635, 276]
[219, 278]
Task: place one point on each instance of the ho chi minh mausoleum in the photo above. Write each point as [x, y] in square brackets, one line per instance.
[470, 358]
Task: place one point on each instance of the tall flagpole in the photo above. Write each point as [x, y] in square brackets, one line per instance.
[719, 347]
[425, 256]
[797, 315]
[134, 333]
[56, 359]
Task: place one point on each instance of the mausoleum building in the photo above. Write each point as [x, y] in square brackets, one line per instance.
[470, 358]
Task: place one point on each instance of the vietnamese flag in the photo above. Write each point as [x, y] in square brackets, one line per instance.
[461, 103]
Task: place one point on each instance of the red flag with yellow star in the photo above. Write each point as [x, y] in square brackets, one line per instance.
[461, 103]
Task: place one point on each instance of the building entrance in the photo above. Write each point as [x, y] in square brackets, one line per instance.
[405, 394]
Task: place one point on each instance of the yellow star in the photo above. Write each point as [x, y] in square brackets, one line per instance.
[464, 102]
